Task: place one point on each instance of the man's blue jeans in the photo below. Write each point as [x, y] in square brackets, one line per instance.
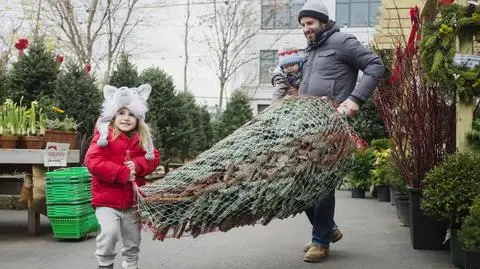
[321, 218]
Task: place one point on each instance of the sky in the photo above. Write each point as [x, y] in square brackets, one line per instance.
[156, 41]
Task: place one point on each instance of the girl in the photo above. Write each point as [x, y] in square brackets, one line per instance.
[286, 78]
[115, 167]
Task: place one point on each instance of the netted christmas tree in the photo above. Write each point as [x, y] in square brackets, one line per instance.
[275, 166]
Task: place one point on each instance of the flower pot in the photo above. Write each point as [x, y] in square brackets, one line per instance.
[393, 196]
[403, 209]
[31, 142]
[61, 137]
[374, 192]
[425, 232]
[8, 141]
[383, 193]
[358, 193]
[472, 259]
[457, 254]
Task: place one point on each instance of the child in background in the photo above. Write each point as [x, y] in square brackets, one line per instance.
[286, 78]
[115, 168]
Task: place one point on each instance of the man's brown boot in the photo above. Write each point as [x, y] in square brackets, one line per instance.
[316, 254]
[336, 236]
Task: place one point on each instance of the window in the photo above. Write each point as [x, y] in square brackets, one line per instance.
[268, 60]
[261, 108]
[280, 14]
[357, 13]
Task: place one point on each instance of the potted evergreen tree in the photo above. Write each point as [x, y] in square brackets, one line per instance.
[449, 190]
[360, 173]
[469, 234]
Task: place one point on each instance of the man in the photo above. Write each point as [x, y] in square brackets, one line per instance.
[332, 62]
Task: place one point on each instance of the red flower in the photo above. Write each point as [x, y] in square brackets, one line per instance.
[21, 45]
[59, 58]
[88, 68]
[445, 2]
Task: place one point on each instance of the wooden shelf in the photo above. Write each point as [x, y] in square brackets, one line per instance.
[31, 156]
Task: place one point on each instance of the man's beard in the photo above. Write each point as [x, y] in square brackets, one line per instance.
[312, 39]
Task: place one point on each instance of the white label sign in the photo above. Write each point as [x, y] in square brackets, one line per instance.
[55, 154]
[467, 60]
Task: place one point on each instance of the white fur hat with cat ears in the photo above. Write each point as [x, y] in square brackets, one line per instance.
[134, 99]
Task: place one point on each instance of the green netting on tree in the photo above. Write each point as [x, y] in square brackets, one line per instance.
[275, 166]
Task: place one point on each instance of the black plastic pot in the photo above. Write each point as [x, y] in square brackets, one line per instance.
[472, 259]
[425, 232]
[403, 209]
[457, 253]
[383, 192]
[393, 197]
[358, 193]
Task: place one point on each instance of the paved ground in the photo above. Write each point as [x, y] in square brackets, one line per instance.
[373, 239]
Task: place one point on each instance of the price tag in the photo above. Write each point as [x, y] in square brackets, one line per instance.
[467, 60]
[56, 154]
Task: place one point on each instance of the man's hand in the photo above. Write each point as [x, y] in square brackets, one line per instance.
[348, 108]
[131, 166]
[292, 91]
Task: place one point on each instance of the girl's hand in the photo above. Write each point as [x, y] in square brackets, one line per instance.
[131, 166]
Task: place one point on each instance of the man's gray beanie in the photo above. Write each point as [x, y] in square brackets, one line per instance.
[315, 9]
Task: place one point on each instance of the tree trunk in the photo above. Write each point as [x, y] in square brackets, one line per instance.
[185, 66]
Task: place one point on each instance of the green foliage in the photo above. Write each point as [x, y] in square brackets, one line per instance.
[3, 82]
[381, 144]
[125, 73]
[368, 124]
[68, 124]
[451, 186]
[360, 173]
[195, 127]
[379, 172]
[13, 120]
[33, 75]
[469, 233]
[383, 166]
[438, 48]
[237, 113]
[77, 94]
[473, 137]
[164, 112]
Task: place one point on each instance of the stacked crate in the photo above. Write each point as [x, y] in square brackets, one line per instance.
[68, 203]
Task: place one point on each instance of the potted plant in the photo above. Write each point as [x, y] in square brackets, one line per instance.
[35, 127]
[62, 131]
[469, 234]
[12, 121]
[449, 190]
[359, 175]
[379, 172]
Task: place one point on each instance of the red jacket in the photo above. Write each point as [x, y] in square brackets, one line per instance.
[110, 185]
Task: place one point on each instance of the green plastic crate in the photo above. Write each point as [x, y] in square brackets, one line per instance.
[69, 210]
[68, 193]
[74, 227]
[68, 174]
[68, 185]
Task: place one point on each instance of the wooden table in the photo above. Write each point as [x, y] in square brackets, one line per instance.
[28, 160]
